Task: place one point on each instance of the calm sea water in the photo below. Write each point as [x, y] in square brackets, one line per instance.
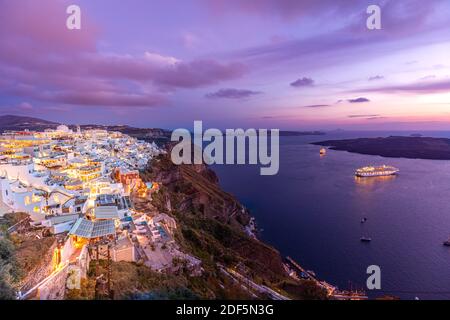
[312, 210]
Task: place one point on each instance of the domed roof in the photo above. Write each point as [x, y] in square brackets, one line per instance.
[62, 128]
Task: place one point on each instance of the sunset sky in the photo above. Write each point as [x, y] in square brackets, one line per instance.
[289, 64]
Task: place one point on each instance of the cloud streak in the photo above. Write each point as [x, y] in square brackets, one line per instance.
[428, 87]
[363, 115]
[232, 94]
[316, 106]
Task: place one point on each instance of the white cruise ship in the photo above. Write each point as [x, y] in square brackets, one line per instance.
[372, 171]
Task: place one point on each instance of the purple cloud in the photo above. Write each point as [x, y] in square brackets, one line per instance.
[427, 87]
[198, 73]
[25, 106]
[358, 100]
[286, 9]
[303, 82]
[43, 60]
[232, 94]
[351, 37]
[374, 78]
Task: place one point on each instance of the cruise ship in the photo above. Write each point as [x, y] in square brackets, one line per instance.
[372, 171]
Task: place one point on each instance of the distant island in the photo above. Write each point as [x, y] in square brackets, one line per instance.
[412, 147]
[301, 133]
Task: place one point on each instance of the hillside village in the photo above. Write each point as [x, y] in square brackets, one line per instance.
[99, 214]
[79, 188]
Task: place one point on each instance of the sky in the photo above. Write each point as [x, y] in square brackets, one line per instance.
[287, 64]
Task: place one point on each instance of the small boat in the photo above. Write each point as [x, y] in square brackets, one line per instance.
[323, 151]
[363, 220]
[365, 239]
[447, 243]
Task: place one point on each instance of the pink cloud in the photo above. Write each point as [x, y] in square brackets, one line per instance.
[43, 60]
[177, 74]
[25, 106]
[42, 26]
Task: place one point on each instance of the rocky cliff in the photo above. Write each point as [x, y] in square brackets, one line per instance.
[212, 226]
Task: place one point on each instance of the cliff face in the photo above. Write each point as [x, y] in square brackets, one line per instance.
[211, 224]
[194, 190]
[212, 221]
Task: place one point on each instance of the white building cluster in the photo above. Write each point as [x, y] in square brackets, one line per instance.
[60, 175]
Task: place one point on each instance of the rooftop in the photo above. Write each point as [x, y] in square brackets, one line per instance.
[93, 229]
[106, 212]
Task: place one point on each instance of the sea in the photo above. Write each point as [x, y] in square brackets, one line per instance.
[312, 210]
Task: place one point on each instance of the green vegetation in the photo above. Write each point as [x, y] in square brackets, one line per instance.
[9, 274]
[133, 281]
[10, 219]
[86, 291]
[305, 290]
[19, 255]
[164, 294]
[137, 281]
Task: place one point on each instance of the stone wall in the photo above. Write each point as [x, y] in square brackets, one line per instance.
[83, 262]
[55, 288]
